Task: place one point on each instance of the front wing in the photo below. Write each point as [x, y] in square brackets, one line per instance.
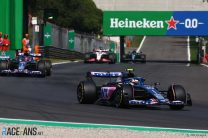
[155, 102]
[25, 71]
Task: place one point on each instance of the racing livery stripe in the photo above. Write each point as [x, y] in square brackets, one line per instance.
[90, 125]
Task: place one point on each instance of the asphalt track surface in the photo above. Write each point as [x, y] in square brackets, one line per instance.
[166, 48]
[54, 98]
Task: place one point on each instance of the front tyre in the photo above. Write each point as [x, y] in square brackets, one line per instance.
[144, 59]
[112, 58]
[177, 93]
[4, 65]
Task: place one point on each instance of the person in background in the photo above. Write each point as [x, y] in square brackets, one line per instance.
[6, 43]
[26, 44]
[37, 51]
[1, 41]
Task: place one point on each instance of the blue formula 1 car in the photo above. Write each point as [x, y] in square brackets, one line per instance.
[26, 64]
[134, 57]
[125, 90]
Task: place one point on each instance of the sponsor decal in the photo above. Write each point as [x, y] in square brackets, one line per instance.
[144, 23]
[155, 23]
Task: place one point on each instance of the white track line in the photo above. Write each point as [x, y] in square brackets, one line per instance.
[59, 63]
[204, 65]
[188, 50]
[141, 44]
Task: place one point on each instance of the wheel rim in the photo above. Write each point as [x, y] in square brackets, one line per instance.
[118, 99]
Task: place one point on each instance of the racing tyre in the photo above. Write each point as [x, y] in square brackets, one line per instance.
[42, 68]
[177, 92]
[122, 96]
[189, 101]
[112, 58]
[4, 65]
[86, 92]
[48, 65]
[143, 58]
[87, 56]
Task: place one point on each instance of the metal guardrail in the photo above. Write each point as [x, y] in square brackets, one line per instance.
[59, 53]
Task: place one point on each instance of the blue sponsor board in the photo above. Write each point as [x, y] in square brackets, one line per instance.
[189, 23]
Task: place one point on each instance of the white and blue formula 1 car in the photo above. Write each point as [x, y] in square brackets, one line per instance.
[26, 65]
[125, 90]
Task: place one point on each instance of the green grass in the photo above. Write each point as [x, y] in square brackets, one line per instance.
[193, 49]
[136, 41]
[206, 38]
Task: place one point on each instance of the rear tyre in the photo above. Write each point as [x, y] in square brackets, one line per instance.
[144, 59]
[177, 92]
[87, 56]
[122, 96]
[112, 58]
[189, 101]
[4, 65]
[86, 92]
[41, 66]
[48, 65]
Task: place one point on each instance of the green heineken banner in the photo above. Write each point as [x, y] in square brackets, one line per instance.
[7, 54]
[71, 40]
[155, 23]
[48, 35]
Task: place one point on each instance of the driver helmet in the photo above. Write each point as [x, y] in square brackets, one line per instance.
[101, 48]
[134, 81]
[131, 74]
[134, 52]
[26, 58]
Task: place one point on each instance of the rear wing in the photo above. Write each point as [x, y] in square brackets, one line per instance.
[103, 50]
[35, 55]
[104, 74]
[31, 54]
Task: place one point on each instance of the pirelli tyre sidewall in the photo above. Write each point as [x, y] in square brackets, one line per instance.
[143, 58]
[86, 57]
[86, 92]
[4, 65]
[121, 97]
[41, 66]
[48, 65]
[177, 92]
[14, 64]
[89, 56]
